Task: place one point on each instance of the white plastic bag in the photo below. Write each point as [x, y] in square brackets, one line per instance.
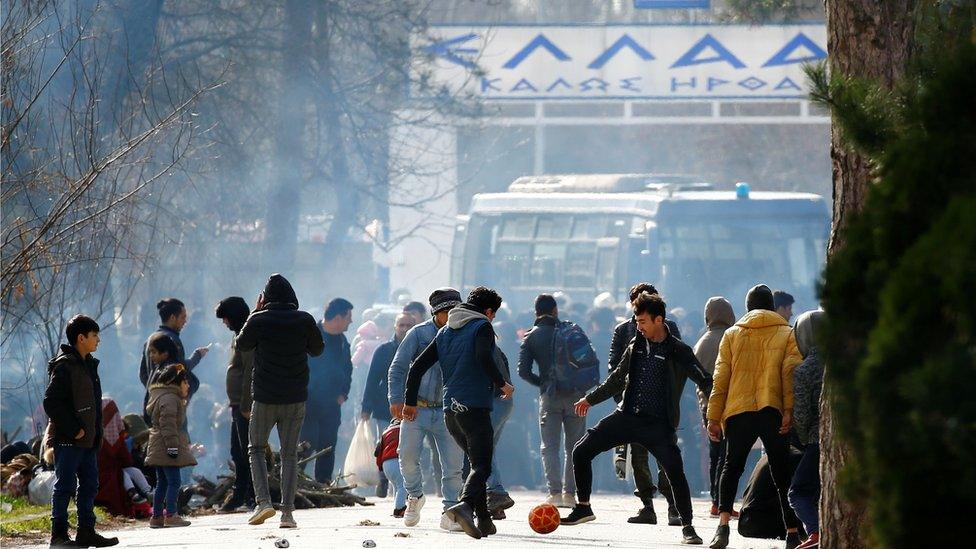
[41, 488]
[360, 465]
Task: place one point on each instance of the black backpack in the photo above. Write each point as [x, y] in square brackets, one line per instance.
[576, 367]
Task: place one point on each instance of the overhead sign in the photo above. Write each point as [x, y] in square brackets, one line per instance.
[652, 62]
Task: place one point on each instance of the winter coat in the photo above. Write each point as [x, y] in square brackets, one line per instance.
[623, 336]
[680, 365]
[375, 400]
[73, 399]
[389, 445]
[754, 369]
[168, 412]
[719, 317]
[240, 374]
[537, 347]
[465, 381]
[330, 373]
[808, 379]
[282, 338]
[147, 369]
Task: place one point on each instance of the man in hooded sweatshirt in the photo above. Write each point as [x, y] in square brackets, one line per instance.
[282, 338]
[752, 398]
[465, 349]
[233, 311]
[719, 317]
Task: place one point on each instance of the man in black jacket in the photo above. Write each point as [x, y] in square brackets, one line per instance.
[73, 402]
[233, 311]
[557, 418]
[623, 335]
[282, 338]
[650, 376]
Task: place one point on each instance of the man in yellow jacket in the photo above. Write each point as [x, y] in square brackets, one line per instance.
[752, 397]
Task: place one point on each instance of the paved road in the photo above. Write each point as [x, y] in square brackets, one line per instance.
[326, 528]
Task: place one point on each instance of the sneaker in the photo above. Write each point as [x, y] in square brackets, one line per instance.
[61, 538]
[447, 523]
[580, 514]
[136, 497]
[689, 536]
[555, 499]
[812, 542]
[412, 515]
[792, 540]
[500, 502]
[232, 505]
[461, 514]
[645, 516]
[498, 514]
[734, 514]
[674, 517]
[568, 501]
[175, 521]
[263, 512]
[87, 537]
[714, 511]
[398, 512]
[287, 521]
[487, 527]
[721, 539]
[157, 522]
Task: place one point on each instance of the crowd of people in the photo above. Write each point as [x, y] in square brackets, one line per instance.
[439, 382]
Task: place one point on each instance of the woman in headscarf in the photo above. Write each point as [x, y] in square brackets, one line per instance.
[113, 457]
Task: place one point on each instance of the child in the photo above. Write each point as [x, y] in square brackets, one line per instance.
[73, 402]
[162, 352]
[388, 460]
[169, 444]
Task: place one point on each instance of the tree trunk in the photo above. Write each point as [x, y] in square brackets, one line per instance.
[871, 40]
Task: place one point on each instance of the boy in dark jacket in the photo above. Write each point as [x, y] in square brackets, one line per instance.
[73, 402]
[649, 376]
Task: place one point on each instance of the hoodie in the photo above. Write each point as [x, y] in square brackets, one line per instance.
[282, 338]
[719, 317]
[754, 369]
[808, 379]
[465, 349]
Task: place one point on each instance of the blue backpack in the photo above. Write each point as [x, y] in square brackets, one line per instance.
[576, 367]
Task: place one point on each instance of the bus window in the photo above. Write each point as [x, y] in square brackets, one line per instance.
[580, 265]
[547, 265]
[554, 228]
[512, 261]
[521, 227]
[590, 227]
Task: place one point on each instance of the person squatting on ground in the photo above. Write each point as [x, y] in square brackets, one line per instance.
[804, 492]
[169, 444]
[233, 311]
[623, 335]
[429, 421]
[330, 376]
[465, 350]
[719, 317]
[388, 462]
[73, 404]
[282, 338]
[650, 375]
[752, 398]
[557, 418]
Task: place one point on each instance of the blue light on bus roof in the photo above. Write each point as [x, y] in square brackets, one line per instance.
[742, 190]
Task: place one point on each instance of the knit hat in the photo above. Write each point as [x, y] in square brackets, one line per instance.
[760, 297]
[444, 298]
[136, 426]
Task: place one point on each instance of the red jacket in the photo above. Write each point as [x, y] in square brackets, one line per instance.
[388, 446]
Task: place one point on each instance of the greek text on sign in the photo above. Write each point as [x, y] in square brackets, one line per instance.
[658, 62]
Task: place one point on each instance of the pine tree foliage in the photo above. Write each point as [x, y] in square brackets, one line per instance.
[901, 341]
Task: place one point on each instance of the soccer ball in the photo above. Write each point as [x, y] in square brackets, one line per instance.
[544, 519]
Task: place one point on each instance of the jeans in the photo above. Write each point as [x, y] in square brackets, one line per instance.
[473, 433]
[805, 489]
[167, 490]
[716, 459]
[132, 478]
[243, 489]
[655, 434]
[391, 468]
[288, 418]
[500, 412]
[74, 469]
[321, 430]
[640, 463]
[430, 422]
[741, 432]
[558, 421]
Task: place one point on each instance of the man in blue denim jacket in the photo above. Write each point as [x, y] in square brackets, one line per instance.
[430, 416]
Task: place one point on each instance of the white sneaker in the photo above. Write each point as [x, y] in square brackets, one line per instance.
[555, 499]
[412, 515]
[450, 525]
[569, 501]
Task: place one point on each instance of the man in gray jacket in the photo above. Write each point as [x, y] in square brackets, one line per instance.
[430, 416]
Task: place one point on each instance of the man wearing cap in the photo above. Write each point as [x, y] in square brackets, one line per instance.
[430, 416]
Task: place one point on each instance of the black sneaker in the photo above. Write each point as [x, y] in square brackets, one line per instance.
[645, 516]
[461, 514]
[60, 538]
[500, 502]
[487, 527]
[579, 515]
[498, 514]
[231, 506]
[87, 537]
[689, 536]
[721, 539]
[674, 517]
